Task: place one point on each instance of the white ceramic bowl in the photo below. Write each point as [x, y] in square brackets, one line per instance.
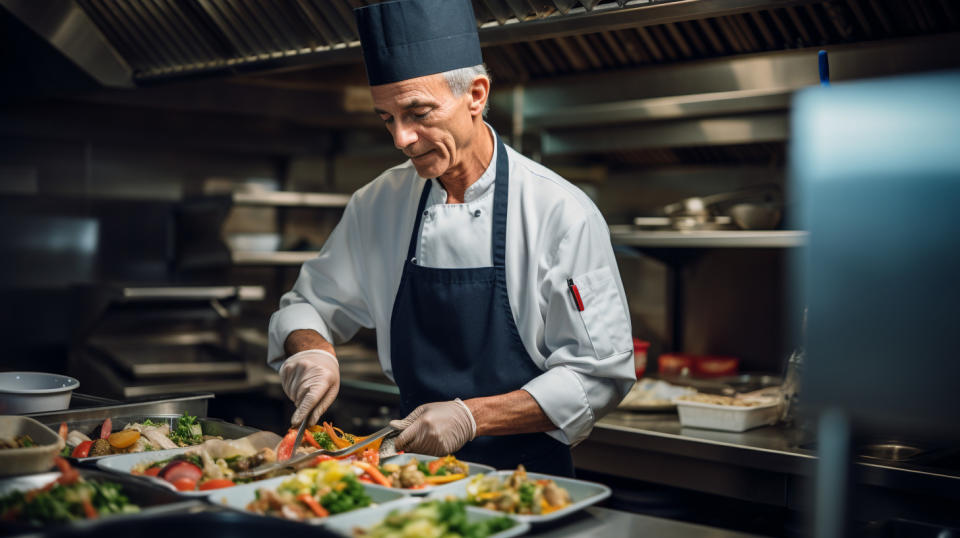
[34, 392]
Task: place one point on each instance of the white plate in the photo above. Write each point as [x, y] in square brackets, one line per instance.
[368, 517]
[238, 497]
[582, 494]
[402, 459]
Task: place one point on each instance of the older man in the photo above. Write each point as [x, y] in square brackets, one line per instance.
[490, 279]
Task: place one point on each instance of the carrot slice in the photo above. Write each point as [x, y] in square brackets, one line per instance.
[374, 473]
[337, 441]
[313, 505]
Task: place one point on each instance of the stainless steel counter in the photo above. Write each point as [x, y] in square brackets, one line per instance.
[605, 522]
[771, 465]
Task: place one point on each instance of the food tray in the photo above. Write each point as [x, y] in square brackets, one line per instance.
[401, 459]
[152, 500]
[729, 418]
[344, 524]
[582, 494]
[238, 497]
[121, 464]
[210, 426]
[34, 459]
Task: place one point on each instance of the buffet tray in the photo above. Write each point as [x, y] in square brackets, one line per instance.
[582, 495]
[193, 404]
[210, 426]
[151, 499]
[402, 459]
[209, 521]
[124, 463]
[238, 497]
[344, 524]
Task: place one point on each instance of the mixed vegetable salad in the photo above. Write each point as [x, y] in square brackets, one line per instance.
[142, 436]
[412, 475]
[330, 488]
[20, 441]
[68, 498]
[213, 464]
[518, 494]
[446, 519]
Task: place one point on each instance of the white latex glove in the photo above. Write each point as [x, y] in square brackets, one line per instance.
[309, 377]
[436, 429]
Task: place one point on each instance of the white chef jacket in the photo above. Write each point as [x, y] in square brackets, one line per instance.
[554, 233]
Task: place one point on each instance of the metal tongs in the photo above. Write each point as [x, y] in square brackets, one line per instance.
[295, 460]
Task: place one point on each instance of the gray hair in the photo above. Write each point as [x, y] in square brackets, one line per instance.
[461, 79]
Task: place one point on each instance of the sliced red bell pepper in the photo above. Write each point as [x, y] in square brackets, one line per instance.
[285, 449]
[313, 505]
[106, 428]
[374, 473]
[435, 465]
[322, 458]
[82, 450]
[216, 483]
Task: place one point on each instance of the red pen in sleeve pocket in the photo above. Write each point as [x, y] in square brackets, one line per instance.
[576, 294]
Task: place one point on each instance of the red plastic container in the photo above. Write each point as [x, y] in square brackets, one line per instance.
[675, 364]
[709, 366]
[640, 348]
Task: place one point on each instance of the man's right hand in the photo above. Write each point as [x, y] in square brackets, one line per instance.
[309, 377]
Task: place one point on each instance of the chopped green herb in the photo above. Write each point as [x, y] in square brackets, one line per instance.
[324, 440]
[187, 431]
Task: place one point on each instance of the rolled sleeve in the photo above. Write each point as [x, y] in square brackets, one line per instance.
[560, 394]
[588, 352]
[293, 317]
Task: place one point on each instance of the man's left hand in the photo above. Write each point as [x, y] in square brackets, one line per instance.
[436, 429]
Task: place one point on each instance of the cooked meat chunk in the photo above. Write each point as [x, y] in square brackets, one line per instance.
[518, 477]
[555, 495]
[410, 476]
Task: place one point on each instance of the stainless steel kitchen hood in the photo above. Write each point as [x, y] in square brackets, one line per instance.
[68, 28]
[156, 40]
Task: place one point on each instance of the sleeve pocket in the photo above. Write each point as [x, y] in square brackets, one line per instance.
[603, 315]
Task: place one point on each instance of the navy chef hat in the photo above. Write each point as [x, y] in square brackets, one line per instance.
[404, 39]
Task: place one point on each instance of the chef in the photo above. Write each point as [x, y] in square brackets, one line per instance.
[491, 280]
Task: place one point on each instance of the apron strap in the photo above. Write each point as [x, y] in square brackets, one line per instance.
[501, 191]
[412, 250]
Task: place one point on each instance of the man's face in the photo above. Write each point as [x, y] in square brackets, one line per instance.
[427, 122]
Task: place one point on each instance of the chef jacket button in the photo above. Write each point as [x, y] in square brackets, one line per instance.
[426, 213]
[476, 213]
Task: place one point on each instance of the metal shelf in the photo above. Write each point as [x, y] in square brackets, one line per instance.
[187, 293]
[290, 199]
[251, 257]
[629, 236]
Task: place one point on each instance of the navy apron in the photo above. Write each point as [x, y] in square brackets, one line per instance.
[452, 335]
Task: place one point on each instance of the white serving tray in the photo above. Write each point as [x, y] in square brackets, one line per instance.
[402, 459]
[582, 494]
[731, 418]
[344, 524]
[238, 497]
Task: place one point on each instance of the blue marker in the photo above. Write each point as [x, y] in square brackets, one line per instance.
[824, 68]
